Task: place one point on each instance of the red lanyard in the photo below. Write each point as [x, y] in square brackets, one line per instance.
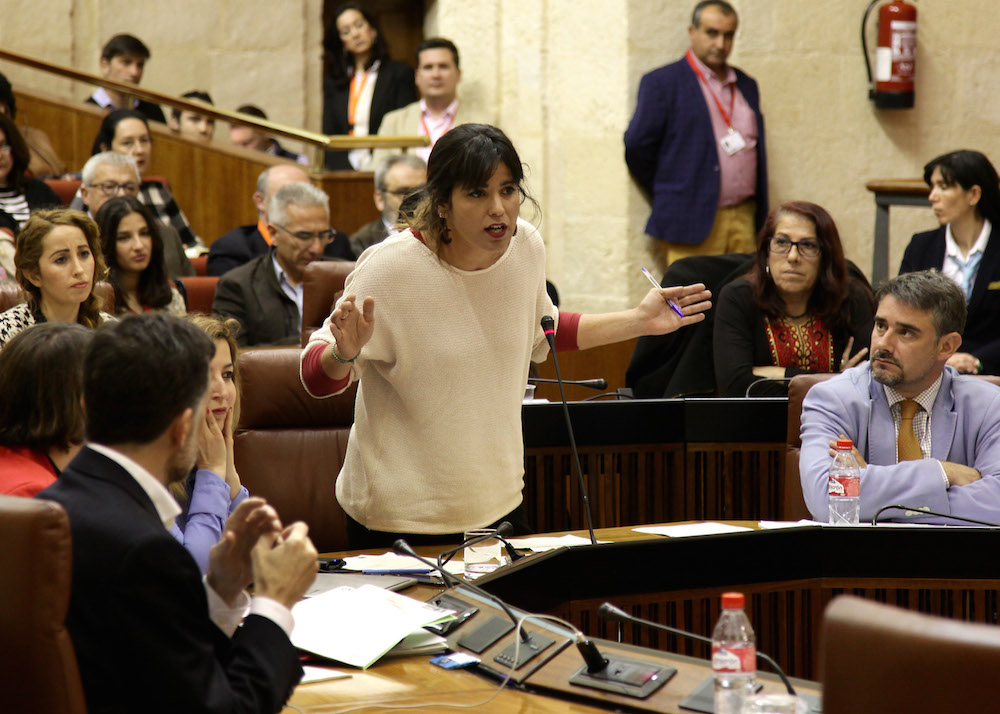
[732, 95]
[352, 100]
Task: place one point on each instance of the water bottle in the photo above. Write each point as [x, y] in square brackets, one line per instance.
[734, 656]
[845, 486]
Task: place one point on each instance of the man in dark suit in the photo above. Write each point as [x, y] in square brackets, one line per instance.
[123, 59]
[244, 243]
[696, 145]
[396, 177]
[149, 634]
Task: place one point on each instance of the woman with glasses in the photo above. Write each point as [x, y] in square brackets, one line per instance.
[133, 252]
[362, 84]
[20, 195]
[796, 311]
[965, 197]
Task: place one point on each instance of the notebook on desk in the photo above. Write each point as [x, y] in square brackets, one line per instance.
[329, 581]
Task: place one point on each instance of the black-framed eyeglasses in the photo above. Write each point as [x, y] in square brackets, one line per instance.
[111, 188]
[323, 237]
[402, 192]
[807, 248]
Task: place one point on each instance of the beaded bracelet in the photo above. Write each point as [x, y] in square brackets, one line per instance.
[343, 361]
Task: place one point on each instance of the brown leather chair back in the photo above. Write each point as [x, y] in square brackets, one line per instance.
[200, 265]
[38, 669]
[793, 503]
[65, 189]
[322, 285]
[290, 446]
[200, 291]
[879, 658]
[11, 294]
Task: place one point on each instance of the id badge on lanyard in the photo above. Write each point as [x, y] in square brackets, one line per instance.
[732, 142]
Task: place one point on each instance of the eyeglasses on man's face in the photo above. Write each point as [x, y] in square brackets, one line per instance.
[323, 237]
[807, 248]
[111, 188]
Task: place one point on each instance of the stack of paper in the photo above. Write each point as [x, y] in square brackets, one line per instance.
[357, 626]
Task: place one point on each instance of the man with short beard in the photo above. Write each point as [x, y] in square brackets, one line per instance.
[925, 436]
[149, 633]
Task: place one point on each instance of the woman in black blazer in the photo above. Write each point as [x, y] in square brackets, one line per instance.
[965, 196]
[362, 84]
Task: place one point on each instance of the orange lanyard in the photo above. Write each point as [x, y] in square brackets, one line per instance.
[427, 132]
[352, 100]
[726, 117]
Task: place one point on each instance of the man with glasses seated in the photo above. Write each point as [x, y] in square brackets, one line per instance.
[110, 174]
[265, 294]
[396, 177]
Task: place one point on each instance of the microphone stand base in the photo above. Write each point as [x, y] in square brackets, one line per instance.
[627, 677]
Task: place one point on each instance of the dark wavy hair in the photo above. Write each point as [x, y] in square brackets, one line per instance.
[106, 132]
[154, 287]
[28, 254]
[465, 157]
[19, 154]
[968, 168]
[340, 62]
[828, 300]
[41, 379]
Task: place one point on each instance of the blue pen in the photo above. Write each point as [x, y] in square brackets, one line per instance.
[671, 303]
[397, 571]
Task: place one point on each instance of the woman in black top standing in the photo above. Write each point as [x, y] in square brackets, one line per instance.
[361, 85]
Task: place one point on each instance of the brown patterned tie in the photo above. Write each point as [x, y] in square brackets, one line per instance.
[907, 446]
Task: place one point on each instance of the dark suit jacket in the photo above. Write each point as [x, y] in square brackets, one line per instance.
[138, 614]
[368, 235]
[394, 88]
[244, 243]
[671, 152]
[981, 337]
[252, 295]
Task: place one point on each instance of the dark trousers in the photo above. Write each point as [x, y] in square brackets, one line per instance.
[360, 538]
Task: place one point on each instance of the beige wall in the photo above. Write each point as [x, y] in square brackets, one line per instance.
[561, 77]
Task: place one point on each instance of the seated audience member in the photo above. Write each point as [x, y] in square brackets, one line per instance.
[20, 195]
[58, 260]
[41, 418]
[243, 243]
[192, 125]
[797, 311]
[362, 83]
[265, 295]
[396, 177]
[127, 132]
[43, 161]
[133, 252]
[212, 490]
[925, 436]
[250, 137]
[148, 630]
[123, 59]
[8, 233]
[109, 174]
[439, 108]
[966, 200]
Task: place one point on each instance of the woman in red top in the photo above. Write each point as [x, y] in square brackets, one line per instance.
[41, 417]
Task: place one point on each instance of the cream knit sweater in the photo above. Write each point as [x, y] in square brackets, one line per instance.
[436, 445]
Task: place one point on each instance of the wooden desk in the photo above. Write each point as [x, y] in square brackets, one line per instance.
[891, 192]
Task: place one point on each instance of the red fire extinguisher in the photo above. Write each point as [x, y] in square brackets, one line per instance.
[895, 55]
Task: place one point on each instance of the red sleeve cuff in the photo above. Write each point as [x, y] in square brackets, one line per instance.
[317, 381]
[569, 322]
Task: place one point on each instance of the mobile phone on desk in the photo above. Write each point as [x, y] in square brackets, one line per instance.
[329, 565]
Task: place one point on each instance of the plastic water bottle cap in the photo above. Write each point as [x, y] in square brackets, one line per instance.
[733, 601]
[844, 444]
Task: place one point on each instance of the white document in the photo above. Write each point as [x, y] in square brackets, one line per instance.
[775, 525]
[357, 626]
[321, 674]
[540, 544]
[399, 563]
[692, 529]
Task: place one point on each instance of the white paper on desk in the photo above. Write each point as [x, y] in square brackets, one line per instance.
[357, 626]
[321, 674]
[692, 529]
[539, 544]
[391, 561]
[775, 525]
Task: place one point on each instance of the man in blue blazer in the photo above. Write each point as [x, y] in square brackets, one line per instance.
[918, 326]
[696, 145]
[150, 635]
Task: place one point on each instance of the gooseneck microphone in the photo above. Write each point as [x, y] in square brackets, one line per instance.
[928, 512]
[589, 383]
[401, 547]
[549, 328]
[607, 611]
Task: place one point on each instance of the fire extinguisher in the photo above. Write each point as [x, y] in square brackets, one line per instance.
[895, 55]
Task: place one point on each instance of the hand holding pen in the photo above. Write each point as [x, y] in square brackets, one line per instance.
[671, 303]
